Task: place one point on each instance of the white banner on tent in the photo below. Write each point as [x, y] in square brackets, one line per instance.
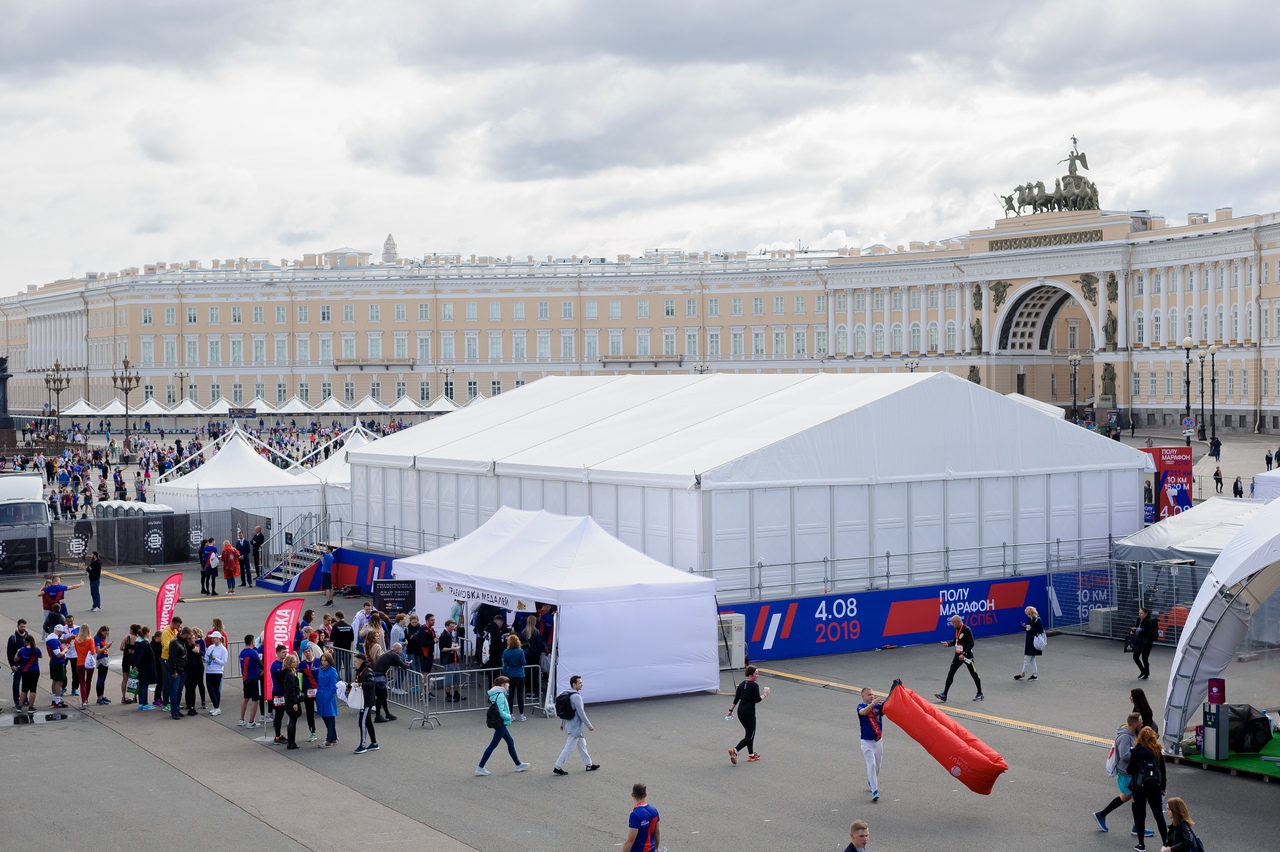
[463, 593]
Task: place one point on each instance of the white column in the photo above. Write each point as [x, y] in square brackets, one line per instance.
[1101, 342]
[1211, 273]
[831, 324]
[1255, 294]
[1124, 309]
[848, 309]
[1146, 308]
[1164, 308]
[987, 331]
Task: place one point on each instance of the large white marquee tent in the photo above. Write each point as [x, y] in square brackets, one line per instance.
[631, 626]
[725, 471]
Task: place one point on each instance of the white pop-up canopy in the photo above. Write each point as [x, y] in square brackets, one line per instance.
[603, 590]
[1200, 533]
[1244, 576]
[80, 408]
[1267, 485]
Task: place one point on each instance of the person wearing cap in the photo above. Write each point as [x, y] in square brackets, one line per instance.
[57, 665]
[215, 662]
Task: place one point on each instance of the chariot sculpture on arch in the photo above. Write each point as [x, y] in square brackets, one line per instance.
[1072, 191]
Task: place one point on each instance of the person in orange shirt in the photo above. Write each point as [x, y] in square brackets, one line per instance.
[84, 651]
[230, 565]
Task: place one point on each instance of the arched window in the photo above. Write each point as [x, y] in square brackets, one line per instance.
[1204, 326]
[842, 340]
[877, 339]
[1235, 323]
[915, 337]
[951, 336]
[1173, 325]
[897, 337]
[860, 340]
[1251, 332]
[1156, 339]
[1191, 325]
[1139, 329]
[1221, 317]
[933, 336]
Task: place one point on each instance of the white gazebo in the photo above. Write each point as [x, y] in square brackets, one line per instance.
[368, 405]
[80, 408]
[330, 405]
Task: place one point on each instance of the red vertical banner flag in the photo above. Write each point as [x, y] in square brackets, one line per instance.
[1173, 479]
[281, 624]
[167, 598]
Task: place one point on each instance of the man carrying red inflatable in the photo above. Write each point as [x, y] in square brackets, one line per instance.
[963, 643]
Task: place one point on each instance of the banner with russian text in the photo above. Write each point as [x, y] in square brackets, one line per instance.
[1173, 480]
[281, 624]
[167, 598]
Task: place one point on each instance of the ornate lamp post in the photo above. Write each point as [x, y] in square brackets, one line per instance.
[1213, 394]
[125, 381]
[1187, 344]
[57, 380]
[1201, 355]
[702, 368]
[1074, 361]
[181, 377]
[912, 364]
[447, 387]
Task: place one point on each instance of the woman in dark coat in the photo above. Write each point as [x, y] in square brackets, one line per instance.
[1033, 628]
[145, 662]
[1143, 636]
[292, 696]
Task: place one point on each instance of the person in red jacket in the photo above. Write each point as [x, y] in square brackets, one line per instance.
[230, 565]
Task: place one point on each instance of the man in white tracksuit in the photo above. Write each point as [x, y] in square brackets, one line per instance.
[573, 729]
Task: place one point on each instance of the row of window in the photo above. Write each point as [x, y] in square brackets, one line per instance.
[239, 391]
[1185, 280]
[1174, 331]
[1173, 383]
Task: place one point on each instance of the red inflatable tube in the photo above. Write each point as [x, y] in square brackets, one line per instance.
[975, 764]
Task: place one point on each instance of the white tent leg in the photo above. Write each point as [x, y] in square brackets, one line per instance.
[549, 694]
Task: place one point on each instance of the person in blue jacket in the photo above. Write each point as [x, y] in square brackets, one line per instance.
[327, 698]
[498, 697]
[513, 663]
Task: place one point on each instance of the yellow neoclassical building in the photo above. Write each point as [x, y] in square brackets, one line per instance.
[1019, 306]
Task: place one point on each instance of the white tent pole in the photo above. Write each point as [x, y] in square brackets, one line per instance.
[549, 698]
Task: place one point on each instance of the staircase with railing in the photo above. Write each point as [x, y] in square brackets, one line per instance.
[294, 548]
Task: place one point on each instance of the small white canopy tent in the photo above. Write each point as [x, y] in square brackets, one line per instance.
[186, 408]
[441, 405]
[220, 407]
[114, 408]
[1200, 533]
[405, 405]
[1267, 485]
[294, 406]
[261, 406]
[1244, 576]
[478, 398]
[80, 408]
[150, 408]
[368, 405]
[601, 588]
[331, 406]
[237, 477]
[334, 474]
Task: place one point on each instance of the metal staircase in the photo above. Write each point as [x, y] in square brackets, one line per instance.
[294, 548]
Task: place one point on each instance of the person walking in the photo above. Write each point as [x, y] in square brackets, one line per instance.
[364, 681]
[498, 699]
[383, 663]
[1141, 706]
[1118, 767]
[17, 641]
[1143, 636]
[1217, 480]
[513, 663]
[95, 581]
[1237, 489]
[327, 698]
[1180, 838]
[1268, 459]
[644, 830]
[859, 836]
[1033, 628]
[86, 662]
[292, 698]
[1148, 780]
[963, 643]
[215, 663]
[572, 728]
[870, 724]
[748, 695]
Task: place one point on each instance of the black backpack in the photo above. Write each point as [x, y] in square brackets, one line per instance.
[1147, 776]
[564, 706]
[494, 717]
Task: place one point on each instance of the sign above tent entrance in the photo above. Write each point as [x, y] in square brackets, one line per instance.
[463, 593]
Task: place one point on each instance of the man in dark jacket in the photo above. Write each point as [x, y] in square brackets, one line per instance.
[343, 637]
[963, 643]
[16, 641]
[256, 543]
[178, 670]
[496, 635]
[391, 658]
[244, 548]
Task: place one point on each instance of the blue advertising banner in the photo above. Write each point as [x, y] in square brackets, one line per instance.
[838, 624]
[1074, 594]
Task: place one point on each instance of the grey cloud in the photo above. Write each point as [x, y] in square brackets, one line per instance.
[298, 238]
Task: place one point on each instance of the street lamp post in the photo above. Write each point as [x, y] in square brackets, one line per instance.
[702, 368]
[1202, 354]
[1074, 361]
[57, 380]
[180, 376]
[1187, 343]
[1213, 394]
[912, 364]
[447, 387]
[125, 381]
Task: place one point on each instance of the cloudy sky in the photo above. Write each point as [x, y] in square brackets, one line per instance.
[145, 130]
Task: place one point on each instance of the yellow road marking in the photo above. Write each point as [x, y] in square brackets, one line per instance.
[113, 575]
[955, 711]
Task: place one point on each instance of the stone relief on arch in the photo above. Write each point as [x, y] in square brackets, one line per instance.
[998, 291]
[1113, 288]
[1088, 287]
[977, 297]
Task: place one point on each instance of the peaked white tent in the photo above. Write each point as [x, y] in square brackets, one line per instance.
[336, 470]
[478, 398]
[114, 408]
[261, 406]
[441, 405]
[186, 408]
[80, 408]
[1200, 533]
[150, 408]
[1267, 485]
[294, 406]
[405, 405]
[722, 472]
[368, 405]
[331, 406]
[601, 588]
[1244, 576]
[219, 407]
[236, 477]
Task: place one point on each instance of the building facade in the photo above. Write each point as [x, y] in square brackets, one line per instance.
[1011, 306]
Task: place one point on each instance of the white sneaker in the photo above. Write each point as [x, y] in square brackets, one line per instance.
[217, 711]
[252, 725]
[240, 724]
[522, 718]
[521, 767]
[480, 770]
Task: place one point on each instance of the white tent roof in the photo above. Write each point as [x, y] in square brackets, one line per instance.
[1267, 484]
[235, 465]
[405, 405]
[1200, 533]
[114, 408]
[221, 406]
[1045, 407]
[1245, 574]
[150, 408]
[261, 406]
[601, 586]
[368, 404]
[186, 407]
[336, 470]
[80, 408]
[479, 397]
[441, 405]
[294, 406]
[723, 431]
[331, 406]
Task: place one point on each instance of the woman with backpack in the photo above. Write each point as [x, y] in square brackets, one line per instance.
[1033, 627]
[1180, 838]
[1146, 771]
[499, 718]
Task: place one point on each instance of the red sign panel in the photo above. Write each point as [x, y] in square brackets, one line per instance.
[1173, 479]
